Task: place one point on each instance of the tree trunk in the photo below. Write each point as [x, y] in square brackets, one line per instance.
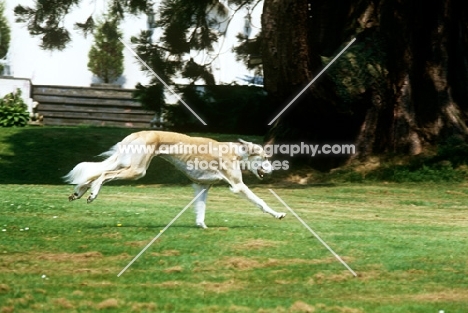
[401, 87]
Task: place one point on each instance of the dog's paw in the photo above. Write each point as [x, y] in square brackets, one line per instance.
[280, 215]
[90, 199]
[202, 225]
[73, 196]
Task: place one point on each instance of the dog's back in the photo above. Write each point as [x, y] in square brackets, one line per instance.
[165, 137]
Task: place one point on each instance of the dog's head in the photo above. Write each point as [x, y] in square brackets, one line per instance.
[256, 159]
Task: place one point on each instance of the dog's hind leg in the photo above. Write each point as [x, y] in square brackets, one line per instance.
[79, 192]
[243, 190]
[130, 166]
[126, 173]
[200, 204]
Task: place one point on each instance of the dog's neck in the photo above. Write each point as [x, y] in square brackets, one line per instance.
[242, 154]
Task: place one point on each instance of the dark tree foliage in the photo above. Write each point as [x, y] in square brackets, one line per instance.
[401, 87]
[249, 52]
[152, 97]
[187, 25]
[226, 107]
[46, 18]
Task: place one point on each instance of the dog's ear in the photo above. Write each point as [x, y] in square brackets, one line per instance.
[252, 148]
[247, 149]
[244, 142]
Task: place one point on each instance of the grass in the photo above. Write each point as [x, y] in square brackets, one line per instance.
[410, 255]
[407, 242]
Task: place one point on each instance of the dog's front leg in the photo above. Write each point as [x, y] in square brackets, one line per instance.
[243, 190]
[200, 204]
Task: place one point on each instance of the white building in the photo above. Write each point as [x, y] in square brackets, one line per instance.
[69, 67]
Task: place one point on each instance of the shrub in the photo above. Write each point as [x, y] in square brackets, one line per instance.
[13, 110]
[453, 149]
[225, 108]
[106, 59]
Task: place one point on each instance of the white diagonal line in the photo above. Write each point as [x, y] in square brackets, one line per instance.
[313, 80]
[313, 233]
[162, 81]
[160, 233]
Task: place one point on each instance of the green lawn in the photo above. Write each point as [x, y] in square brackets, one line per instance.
[407, 242]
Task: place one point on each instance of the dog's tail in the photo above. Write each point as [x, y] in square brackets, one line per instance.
[87, 171]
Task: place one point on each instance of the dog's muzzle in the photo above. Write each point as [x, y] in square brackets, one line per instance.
[264, 169]
[260, 172]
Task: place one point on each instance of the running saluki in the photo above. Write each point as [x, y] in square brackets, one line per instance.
[203, 160]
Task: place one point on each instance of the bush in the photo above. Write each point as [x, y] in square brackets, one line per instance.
[448, 164]
[443, 172]
[13, 110]
[106, 59]
[225, 108]
[453, 149]
[151, 97]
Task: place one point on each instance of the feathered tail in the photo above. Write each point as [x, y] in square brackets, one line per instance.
[87, 171]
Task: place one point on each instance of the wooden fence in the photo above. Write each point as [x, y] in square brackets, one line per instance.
[97, 106]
